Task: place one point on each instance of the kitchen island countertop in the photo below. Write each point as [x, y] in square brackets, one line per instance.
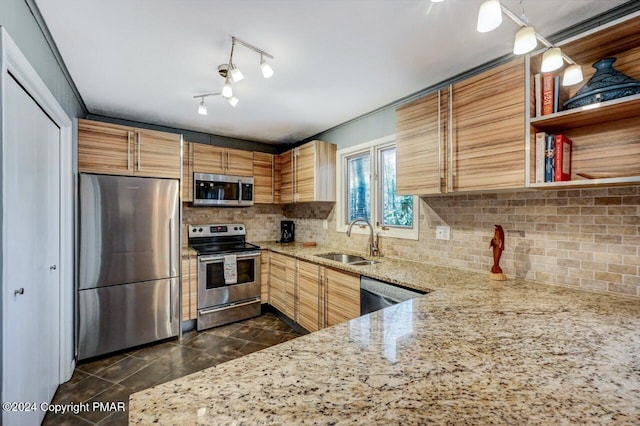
[471, 351]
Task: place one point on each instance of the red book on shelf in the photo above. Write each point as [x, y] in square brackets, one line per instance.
[562, 158]
[547, 94]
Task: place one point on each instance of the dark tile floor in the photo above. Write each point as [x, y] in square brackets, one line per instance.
[114, 378]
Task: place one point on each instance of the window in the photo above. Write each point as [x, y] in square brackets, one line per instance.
[367, 189]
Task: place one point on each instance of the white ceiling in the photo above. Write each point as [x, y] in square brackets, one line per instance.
[144, 60]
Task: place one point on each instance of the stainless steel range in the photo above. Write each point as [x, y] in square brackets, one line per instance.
[228, 274]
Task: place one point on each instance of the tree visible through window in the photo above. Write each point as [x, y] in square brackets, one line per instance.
[396, 210]
[359, 185]
[391, 210]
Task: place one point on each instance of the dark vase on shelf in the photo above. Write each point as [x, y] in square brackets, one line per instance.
[607, 83]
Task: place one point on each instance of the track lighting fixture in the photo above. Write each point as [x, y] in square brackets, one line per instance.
[231, 73]
[526, 40]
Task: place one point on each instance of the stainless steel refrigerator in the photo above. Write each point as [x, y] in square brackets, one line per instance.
[129, 254]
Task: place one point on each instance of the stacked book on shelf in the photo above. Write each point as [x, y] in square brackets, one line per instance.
[553, 157]
[547, 93]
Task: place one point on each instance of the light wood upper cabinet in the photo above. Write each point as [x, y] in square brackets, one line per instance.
[488, 119]
[105, 148]
[208, 159]
[308, 173]
[113, 149]
[284, 175]
[263, 177]
[282, 283]
[189, 287]
[187, 171]
[239, 162]
[310, 297]
[342, 296]
[218, 160]
[470, 137]
[158, 154]
[421, 135]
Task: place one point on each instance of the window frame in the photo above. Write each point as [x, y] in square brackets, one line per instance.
[373, 147]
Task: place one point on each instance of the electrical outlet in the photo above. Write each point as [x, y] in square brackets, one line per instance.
[325, 224]
[443, 232]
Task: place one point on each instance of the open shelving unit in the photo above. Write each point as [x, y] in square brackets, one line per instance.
[606, 135]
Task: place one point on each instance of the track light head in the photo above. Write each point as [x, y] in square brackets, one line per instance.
[233, 101]
[236, 74]
[227, 90]
[489, 16]
[551, 60]
[525, 41]
[202, 108]
[267, 71]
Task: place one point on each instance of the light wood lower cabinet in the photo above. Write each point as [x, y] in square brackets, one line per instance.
[342, 296]
[264, 276]
[189, 287]
[282, 283]
[310, 296]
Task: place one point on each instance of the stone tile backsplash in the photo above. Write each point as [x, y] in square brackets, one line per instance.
[585, 238]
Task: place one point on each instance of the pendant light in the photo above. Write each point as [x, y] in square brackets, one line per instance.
[489, 16]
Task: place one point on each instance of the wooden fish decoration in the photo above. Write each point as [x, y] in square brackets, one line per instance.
[497, 243]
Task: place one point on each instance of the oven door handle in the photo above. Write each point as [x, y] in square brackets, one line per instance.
[232, 305]
[221, 258]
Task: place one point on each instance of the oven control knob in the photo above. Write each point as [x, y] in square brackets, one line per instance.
[235, 228]
[200, 230]
[240, 228]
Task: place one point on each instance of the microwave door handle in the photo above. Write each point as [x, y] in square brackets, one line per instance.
[239, 191]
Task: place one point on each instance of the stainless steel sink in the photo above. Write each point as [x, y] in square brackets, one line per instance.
[363, 262]
[349, 259]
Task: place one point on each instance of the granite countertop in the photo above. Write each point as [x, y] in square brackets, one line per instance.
[471, 351]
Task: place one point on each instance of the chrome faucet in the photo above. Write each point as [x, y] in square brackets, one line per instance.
[373, 244]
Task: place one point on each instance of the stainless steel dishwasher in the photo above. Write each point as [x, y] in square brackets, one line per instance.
[375, 294]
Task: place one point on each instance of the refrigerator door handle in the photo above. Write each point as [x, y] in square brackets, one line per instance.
[172, 267]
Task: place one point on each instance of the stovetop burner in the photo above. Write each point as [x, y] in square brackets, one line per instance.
[219, 238]
[214, 248]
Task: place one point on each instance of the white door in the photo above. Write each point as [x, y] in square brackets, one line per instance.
[31, 279]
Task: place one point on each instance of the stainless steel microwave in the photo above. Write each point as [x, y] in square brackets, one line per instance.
[222, 190]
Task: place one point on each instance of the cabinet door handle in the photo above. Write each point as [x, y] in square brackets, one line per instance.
[222, 160]
[139, 158]
[129, 134]
[450, 174]
[228, 162]
[439, 145]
